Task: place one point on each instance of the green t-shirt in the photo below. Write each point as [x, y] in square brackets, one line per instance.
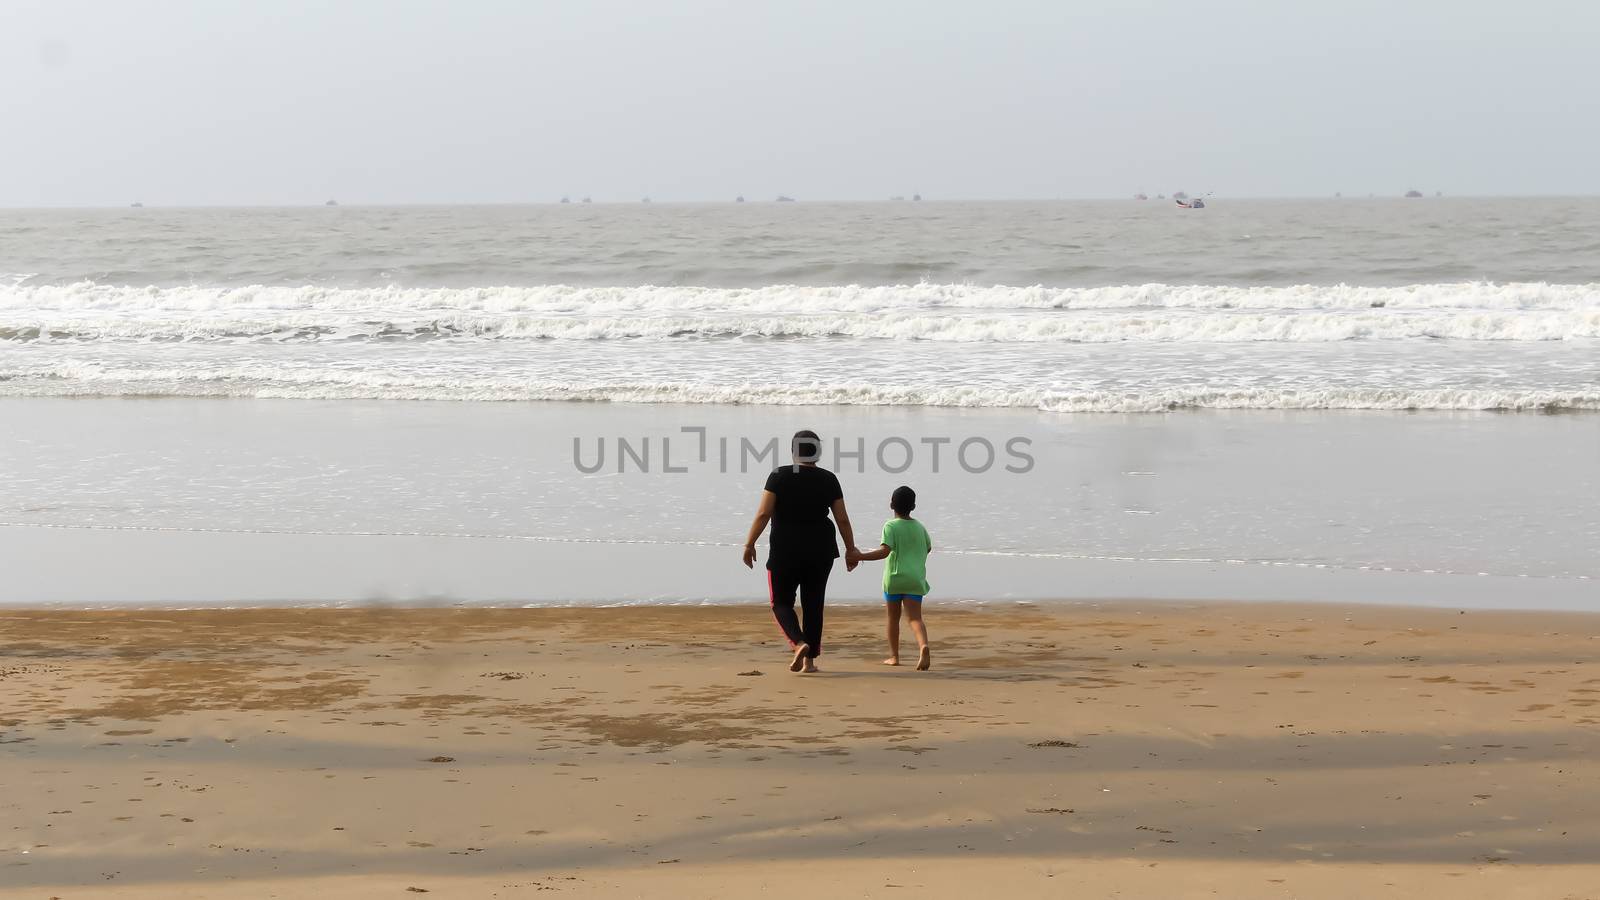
[906, 570]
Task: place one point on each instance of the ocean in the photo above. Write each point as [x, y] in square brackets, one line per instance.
[1352, 399]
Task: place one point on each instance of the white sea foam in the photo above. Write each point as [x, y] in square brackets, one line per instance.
[1135, 348]
[89, 379]
[927, 312]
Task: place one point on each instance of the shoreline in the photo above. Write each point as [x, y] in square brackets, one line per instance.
[350, 501]
[158, 569]
[855, 604]
[1163, 750]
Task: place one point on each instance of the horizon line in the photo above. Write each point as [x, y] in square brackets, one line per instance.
[400, 204]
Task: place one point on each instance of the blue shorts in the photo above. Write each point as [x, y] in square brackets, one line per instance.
[896, 598]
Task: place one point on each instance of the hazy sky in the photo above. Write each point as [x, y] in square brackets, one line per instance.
[218, 102]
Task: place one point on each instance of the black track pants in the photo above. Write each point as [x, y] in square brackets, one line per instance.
[811, 580]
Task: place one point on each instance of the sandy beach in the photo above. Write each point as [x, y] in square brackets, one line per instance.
[1111, 750]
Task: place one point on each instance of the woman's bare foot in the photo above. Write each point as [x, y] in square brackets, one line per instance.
[800, 660]
[924, 659]
[892, 661]
[811, 667]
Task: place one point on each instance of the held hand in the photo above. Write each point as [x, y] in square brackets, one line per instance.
[749, 556]
[852, 558]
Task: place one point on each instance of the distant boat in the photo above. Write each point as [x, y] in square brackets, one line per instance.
[898, 197]
[645, 200]
[1179, 195]
[1141, 196]
[331, 203]
[1338, 193]
[565, 200]
[137, 205]
[1196, 203]
[587, 200]
[783, 199]
[1438, 193]
[916, 197]
[1413, 194]
[1161, 196]
[739, 199]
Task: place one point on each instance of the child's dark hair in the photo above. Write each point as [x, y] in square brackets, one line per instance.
[903, 500]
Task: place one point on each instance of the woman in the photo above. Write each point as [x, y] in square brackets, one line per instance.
[797, 500]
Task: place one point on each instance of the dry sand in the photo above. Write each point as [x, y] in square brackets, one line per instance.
[1114, 751]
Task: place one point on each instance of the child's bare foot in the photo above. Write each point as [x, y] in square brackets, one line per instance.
[811, 667]
[924, 659]
[892, 661]
[800, 660]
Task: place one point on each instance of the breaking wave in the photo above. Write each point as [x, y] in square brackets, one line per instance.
[1145, 348]
[324, 384]
[90, 312]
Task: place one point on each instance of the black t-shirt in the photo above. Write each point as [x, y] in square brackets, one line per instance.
[802, 533]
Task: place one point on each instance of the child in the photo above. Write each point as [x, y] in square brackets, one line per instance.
[905, 578]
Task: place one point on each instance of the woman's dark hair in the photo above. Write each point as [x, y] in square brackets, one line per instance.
[806, 446]
[903, 500]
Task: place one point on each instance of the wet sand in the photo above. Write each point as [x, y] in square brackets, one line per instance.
[1128, 750]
